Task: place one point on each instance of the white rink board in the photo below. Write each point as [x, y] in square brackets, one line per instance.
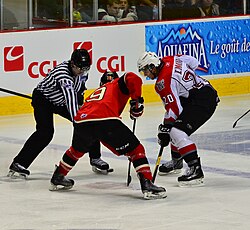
[117, 47]
[26, 56]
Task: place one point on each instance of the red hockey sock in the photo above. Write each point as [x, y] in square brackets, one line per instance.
[140, 161]
[69, 160]
[189, 153]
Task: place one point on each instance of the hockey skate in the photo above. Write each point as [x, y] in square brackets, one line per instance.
[18, 171]
[100, 166]
[171, 167]
[193, 177]
[151, 191]
[60, 182]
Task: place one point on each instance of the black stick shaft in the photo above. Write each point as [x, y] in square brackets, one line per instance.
[240, 117]
[129, 178]
[15, 93]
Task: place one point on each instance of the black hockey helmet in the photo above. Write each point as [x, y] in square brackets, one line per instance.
[81, 59]
[108, 76]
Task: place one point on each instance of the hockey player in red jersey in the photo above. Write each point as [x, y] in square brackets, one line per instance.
[99, 118]
[189, 102]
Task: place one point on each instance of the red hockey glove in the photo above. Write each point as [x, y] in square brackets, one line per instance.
[136, 108]
[163, 134]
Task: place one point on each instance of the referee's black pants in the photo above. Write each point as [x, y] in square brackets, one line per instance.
[43, 114]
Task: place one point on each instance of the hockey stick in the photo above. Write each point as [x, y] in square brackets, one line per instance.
[129, 178]
[240, 117]
[157, 163]
[15, 93]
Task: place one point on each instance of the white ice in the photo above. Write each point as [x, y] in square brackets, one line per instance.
[104, 201]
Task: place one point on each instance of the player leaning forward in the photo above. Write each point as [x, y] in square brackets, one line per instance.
[189, 101]
[61, 92]
[99, 118]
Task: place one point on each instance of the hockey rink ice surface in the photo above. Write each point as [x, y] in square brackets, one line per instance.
[104, 202]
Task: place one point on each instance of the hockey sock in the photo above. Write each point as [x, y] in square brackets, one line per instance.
[189, 153]
[140, 161]
[175, 152]
[68, 161]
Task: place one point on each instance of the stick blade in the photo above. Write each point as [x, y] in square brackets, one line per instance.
[129, 180]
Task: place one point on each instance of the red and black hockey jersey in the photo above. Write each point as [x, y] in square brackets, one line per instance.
[109, 100]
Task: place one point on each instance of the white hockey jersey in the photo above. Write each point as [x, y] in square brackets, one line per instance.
[176, 78]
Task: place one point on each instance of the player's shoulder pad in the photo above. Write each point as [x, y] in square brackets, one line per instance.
[122, 85]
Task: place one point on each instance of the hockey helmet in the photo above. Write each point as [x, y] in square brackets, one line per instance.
[108, 76]
[147, 61]
[81, 59]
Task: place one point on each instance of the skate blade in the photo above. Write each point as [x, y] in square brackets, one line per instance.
[176, 171]
[59, 187]
[154, 196]
[16, 175]
[193, 183]
[99, 171]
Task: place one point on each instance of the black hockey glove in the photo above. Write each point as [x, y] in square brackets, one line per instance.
[163, 134]
[136, 107]
[80, 94]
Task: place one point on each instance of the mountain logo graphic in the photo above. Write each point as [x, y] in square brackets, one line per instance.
[184, 41]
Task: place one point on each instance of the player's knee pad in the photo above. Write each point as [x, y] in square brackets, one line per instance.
[74, 153]
[138, 156]
[179, 138]
[173, 148]
[71, 156]
[174, 151]
[138, 152]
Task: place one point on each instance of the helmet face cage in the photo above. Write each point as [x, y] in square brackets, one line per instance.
[81, 59]
[147, 61]
[108, 76]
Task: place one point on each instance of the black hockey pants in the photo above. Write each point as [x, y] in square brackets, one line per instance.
[197, 109]
[43, 114]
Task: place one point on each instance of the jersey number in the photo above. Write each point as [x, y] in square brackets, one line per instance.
[97, 95]
[168, 99]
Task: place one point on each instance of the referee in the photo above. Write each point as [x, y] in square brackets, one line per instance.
[60, 92]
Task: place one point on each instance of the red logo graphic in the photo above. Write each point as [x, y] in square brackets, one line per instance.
[13, 58]
[113, 63]
[35, 69]
[84, 45]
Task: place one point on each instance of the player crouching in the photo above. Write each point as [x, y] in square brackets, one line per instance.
[189, 102]
[98, 120]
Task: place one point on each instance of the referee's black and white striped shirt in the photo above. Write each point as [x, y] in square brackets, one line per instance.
[60, 87]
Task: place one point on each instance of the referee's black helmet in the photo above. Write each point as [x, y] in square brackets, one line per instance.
[81, 59]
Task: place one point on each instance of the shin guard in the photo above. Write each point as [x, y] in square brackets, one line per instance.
[140, 161]
[69, 159]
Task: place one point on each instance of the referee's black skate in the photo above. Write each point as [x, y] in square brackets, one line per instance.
[100, 166]
[151, 191]
[171, 167]
[194, 175]
[18, 171]
[59, 181]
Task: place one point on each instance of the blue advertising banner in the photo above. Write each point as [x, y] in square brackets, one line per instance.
[222, 47]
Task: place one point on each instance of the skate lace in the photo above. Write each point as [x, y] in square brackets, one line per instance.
[169, 164]
[189, 171]
[98, 161]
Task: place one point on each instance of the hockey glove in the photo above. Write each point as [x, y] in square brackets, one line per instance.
[163, 134]
[136, 108]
